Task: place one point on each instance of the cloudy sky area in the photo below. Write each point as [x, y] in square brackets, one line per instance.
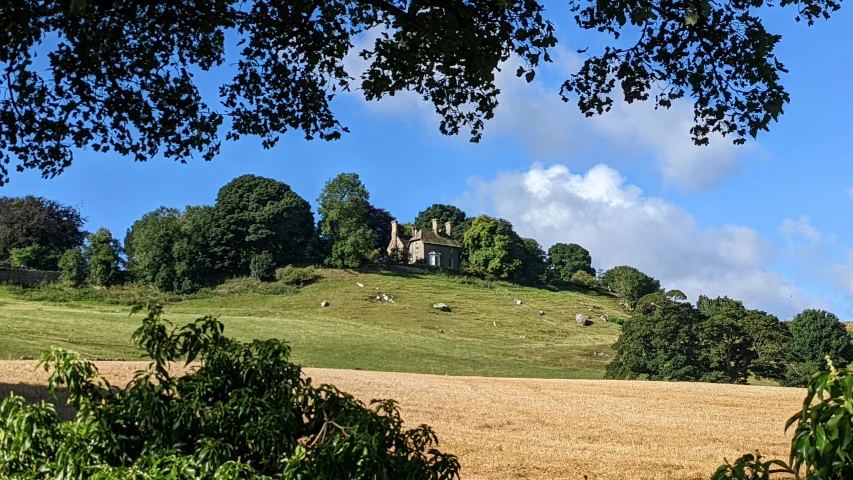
[767, 223]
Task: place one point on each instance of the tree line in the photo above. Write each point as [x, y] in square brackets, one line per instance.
[258, 224]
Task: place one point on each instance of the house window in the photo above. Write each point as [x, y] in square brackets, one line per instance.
[435, 259]
[451, 263]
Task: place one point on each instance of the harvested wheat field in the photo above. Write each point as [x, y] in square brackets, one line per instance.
[555, 429]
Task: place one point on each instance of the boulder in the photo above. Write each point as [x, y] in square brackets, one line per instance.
[518, 302]
[604, 318]
[541, 313]
[360, 285]
[441, 307]
[324, 304]
[582, 319]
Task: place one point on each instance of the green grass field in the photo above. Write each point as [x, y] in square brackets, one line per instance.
[355, 331]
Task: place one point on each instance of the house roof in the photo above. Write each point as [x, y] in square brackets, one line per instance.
[431, 238]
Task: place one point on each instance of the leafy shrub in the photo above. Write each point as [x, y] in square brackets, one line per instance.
[118, 295]
[246, 412]
[240, 285]
[629, 283]
[102, 257]
[822, 446]
[295, 276]
[616, 320]
[262, 266]
[583, 279]
[34, 257]
[72, 266]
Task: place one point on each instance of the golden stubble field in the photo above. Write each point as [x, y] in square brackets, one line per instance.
[555, 429]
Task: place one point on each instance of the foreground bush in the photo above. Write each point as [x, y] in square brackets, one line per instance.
[822, 447]
[295, 276]
[245, 413]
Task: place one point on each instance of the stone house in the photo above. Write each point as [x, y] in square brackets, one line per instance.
[434, 247]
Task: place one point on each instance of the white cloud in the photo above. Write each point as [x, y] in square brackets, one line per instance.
[802, 227]
[534, 115]
[842, 274]
[622, 226]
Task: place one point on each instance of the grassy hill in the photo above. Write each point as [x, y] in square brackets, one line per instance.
[356, 331]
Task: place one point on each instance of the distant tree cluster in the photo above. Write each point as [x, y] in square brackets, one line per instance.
[258, 225]
[720, 340]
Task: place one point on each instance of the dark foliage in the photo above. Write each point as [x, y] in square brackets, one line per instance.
[662, 341]
[629, 283]
[444, 213]
[262, 266]
[124, 76]
[379, 220]
[567, 259]
[257, 214]
[29, 221]
[814, 335]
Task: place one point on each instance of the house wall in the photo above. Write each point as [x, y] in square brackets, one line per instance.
[396, 244]
[419, 251]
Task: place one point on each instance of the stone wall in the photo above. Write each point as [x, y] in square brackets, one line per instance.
[27, 277]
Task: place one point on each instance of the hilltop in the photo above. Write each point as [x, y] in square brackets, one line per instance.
[355, 331]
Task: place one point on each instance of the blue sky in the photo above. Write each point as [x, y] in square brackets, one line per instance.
[766, 223]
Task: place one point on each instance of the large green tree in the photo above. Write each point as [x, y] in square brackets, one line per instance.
[629, 283]
[103, 258]
[566, 259]
[814, 335]
[256, 214]
[662, 341]
[379, 220]
[124, 76]
[494, 248]
[344, 207]
[533, 264]
[741, 342]
[444, 213]
[30, 221]
[149, 246]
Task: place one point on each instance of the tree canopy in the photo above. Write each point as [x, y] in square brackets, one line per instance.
[30, 221]
[125, 76]
[344, 224]
[494, 248]
[566, 259]
[256, 214]
[741, 342]
[815, 334]
[444, 213]
[629, 283]
[661, 341]
[103, 258]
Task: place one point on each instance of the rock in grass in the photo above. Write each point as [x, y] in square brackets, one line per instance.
[441, 307]
[324, 304]
[582, 319]
[518, 302]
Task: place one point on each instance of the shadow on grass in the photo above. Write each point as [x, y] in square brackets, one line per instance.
[38, 393]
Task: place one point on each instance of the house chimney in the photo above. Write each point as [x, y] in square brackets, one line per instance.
[435, 226]
[448, 227]
[393, 230]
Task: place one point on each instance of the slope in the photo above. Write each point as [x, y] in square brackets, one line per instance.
[485, 334]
